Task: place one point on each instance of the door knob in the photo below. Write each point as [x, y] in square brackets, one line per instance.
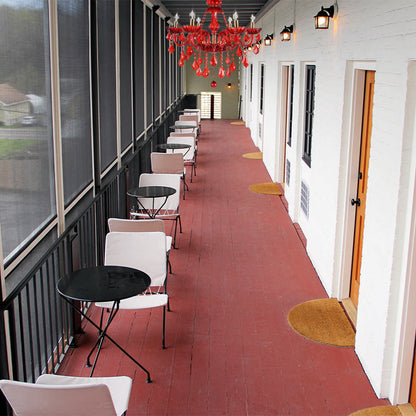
[356, 202]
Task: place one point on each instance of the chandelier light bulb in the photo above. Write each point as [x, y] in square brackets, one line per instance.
[192, 15]
[176, 18]
[235, 18]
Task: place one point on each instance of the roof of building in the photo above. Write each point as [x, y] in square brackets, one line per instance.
[10, 95]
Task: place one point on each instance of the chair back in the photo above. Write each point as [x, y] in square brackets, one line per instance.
[193, 111]
[179, 123]
[177, 134]
[167, 163]
[145, 251]
[161, 179]
[28, 399]
[123, 225]
[188, 154]
[189, 117]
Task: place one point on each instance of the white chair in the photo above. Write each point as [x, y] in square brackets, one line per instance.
[145, 251]
[123, 225]
[193, 112]
[191, 118]
[176, 134]
[170, 209]
[68, 396]
[169, 163]
[180, 123]
[189, 111]
[188, 154]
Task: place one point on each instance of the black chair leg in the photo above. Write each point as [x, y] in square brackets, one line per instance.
[164, 325]
[180, 223]
[174, 233]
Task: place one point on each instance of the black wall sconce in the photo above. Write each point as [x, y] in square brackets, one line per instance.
[286, 33]
[229, 85]
[323, 16]
[268, 40]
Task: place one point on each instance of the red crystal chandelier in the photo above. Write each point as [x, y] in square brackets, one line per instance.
[194, 40]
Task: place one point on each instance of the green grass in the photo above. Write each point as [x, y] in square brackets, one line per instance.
[12, 146]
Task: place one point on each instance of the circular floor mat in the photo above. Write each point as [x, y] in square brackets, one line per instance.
[324, 321]
[379, 411]
[254, 155]
[269, 188]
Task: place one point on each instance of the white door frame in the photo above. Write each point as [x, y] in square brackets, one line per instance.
[350, 159]
[261, 97]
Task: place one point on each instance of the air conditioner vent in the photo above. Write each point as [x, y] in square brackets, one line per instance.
[304, 199]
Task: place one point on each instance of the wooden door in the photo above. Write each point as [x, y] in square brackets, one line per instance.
[360, 200]
[412, 398]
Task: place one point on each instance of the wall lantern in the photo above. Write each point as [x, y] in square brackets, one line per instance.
[268, 40]
[229, 85]
[323, 16]
[285, 34]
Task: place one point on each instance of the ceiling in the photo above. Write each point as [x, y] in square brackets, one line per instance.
[244, 9]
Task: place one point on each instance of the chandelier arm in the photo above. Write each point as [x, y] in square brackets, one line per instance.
[225, 19]
[249, 41]
[178, 42]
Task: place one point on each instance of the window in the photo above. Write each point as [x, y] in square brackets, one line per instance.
[149, 66]
[125, 74]
[251, 82]
[261, 106]
[105, 22]
[156, 65]
[74, 88]
[27, 198]
[211, 105]
[165, 67]
[290, 109]
[309, 109]
[138, 73]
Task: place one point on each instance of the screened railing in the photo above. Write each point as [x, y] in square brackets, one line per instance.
[36, 326]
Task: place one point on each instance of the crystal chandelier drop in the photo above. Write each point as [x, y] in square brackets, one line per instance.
[194, 40]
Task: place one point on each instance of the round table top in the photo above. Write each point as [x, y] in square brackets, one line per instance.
[151, 191]
[185, 126]
[174, 146]
[103, 283]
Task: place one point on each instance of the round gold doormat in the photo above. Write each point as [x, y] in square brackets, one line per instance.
[269, 188]
[254, 155]
[238, 123]
[379, 411]
[324, 321]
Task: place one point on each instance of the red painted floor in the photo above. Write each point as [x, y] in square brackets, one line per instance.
[239, 269]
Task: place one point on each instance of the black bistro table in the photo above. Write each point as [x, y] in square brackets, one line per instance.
[151, 192]
[179, 127]
[103, 284]
[174, 146]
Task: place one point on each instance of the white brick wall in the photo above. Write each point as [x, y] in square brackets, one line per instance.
[364, 35]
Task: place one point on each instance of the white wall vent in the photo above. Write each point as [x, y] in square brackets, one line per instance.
[287, 179]
[304, 199]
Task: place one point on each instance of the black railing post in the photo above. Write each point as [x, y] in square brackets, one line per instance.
[4, 371]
